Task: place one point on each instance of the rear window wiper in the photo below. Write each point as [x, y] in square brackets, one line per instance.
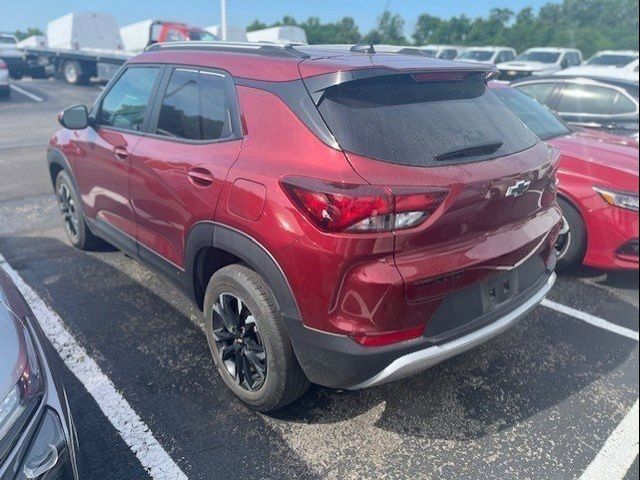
[470, 151]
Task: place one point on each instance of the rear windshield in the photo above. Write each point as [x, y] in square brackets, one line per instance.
[542, 57]
[400, 120]
[612, 60]
[480, 55]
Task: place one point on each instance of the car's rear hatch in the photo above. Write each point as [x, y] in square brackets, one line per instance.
[443, 129]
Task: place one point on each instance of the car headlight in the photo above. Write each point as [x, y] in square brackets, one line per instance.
[23, 398]
[625, 200]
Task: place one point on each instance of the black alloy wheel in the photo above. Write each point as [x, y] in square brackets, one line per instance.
[238, 342]
[69, 211]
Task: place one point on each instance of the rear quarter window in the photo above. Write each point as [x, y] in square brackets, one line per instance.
[399, 120]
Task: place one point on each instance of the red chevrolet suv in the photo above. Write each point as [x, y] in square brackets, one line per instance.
[342, 216]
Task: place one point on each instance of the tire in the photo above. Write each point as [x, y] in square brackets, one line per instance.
[260, 329]
[73, 74]
[70, 205]
[572, 241]
[5, 93]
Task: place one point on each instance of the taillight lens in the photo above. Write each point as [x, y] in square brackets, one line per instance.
[3, 66]
[342, 207]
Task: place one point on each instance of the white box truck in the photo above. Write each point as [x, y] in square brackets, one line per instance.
[282, 34]
[80, 46]
[138, 36]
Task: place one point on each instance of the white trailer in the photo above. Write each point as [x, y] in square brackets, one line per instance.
[282, 34]
[234, 33]
[80, 46]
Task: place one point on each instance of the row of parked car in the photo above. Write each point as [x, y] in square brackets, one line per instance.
[616, 64]
[342, 219]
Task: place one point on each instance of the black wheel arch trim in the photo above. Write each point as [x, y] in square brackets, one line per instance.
[56, 157]
[212, 234]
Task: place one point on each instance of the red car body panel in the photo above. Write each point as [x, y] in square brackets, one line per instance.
[589, 159]
[343, 283]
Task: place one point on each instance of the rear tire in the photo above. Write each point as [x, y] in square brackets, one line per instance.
[572, 241]
[73, 74]
[258, 327]
[70, 206]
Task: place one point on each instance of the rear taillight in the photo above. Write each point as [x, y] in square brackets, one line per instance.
[3, 66]
[341, 207]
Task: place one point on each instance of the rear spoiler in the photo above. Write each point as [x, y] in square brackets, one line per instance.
[317, 84]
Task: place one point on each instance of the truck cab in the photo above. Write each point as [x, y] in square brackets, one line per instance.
[540, 61]
[138, 36]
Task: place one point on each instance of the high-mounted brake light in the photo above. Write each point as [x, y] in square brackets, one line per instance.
[340, 207]
[440, 76]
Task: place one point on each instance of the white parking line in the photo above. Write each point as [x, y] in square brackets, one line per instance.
[126, 421]
[591, 319]
[619, 451]
[25, 93]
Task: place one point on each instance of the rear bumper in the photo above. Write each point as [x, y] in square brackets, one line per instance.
[337, 361]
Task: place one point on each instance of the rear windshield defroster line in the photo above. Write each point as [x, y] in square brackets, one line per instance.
[399, 120]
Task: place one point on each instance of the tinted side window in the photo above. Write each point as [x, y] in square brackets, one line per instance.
[449, 54]
[125, 104]
[195, 106]
[623, 105]
[586, 99]
[574, 59]
[540, 91]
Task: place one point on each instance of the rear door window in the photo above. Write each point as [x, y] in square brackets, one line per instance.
[587, 99]
[125, 104]
[421, 120]
[195, 106]
[540, 91]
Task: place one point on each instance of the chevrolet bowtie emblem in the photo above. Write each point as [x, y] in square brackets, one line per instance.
[519, 188]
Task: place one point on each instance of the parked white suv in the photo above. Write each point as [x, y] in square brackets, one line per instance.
[618, 64]
[540, 61]
[488, 55]
[445, 52]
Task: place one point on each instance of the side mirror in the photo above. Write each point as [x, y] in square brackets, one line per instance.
[74, 118]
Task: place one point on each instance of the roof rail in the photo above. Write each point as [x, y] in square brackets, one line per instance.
[267, 49]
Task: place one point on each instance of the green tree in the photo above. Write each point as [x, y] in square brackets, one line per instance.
[256, 25]
[390, 29]
[426, 27]
[20, 35]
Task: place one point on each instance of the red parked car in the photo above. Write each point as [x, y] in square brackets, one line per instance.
[598, 187]
[341, 216]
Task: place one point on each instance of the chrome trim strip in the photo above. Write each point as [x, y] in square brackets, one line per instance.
[422, 359]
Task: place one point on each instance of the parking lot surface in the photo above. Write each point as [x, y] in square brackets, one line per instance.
[544, 400]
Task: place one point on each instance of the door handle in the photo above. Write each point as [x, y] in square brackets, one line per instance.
[200, 177]
[120, 153]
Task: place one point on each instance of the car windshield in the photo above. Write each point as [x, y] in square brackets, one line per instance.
[7, 41]
[537, 56]
[535, 116]
[612, 60]
[480, 55]
[423, 120]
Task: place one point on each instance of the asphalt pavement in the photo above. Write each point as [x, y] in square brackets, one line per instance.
[550, 398]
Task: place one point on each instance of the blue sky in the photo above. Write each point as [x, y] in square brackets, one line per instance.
[26, 13]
